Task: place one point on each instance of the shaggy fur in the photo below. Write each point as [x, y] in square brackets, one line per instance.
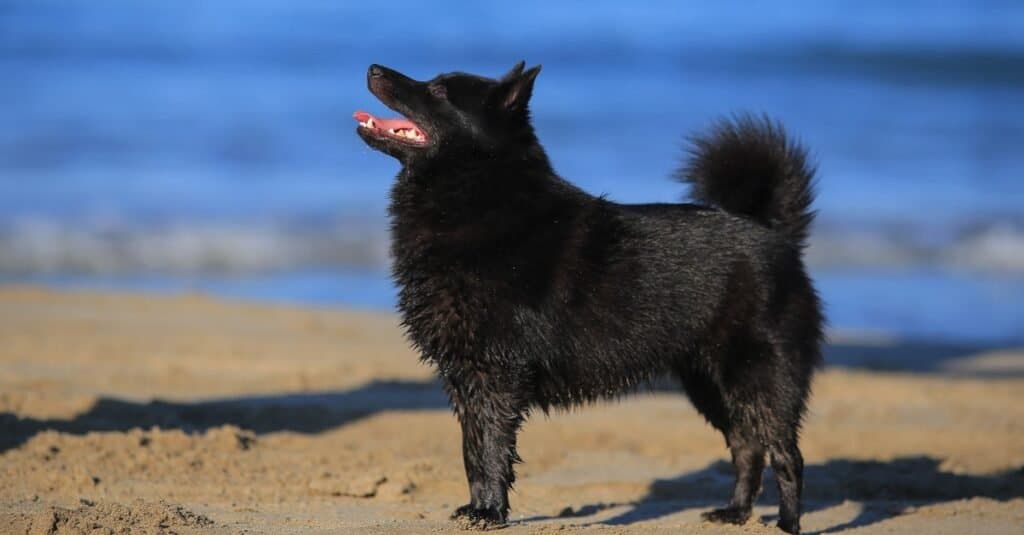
[526, 292]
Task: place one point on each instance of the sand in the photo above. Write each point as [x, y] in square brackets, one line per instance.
[186, 414]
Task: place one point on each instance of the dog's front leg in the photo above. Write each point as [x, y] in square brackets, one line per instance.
[491, 413]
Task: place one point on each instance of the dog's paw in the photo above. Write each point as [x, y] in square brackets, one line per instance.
[727, 515]
[470, 517]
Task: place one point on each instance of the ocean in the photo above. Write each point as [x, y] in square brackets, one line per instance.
[209, 146]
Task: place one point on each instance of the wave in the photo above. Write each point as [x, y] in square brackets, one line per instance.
[32, 247]
[215, 247]
[995, 248]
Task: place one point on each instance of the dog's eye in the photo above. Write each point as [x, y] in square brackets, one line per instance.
[438, 90]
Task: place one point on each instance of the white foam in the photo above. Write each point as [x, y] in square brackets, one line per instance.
[192, 247]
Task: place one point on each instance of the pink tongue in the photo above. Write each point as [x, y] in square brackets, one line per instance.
[384, 124]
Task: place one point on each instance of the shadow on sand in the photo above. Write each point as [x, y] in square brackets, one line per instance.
[957, 359]
[303, 413]
[320, 411]
[891, 488]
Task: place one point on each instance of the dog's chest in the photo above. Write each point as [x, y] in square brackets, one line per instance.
[447, 314]
[460, 287]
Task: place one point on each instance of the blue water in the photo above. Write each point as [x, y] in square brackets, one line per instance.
[209, 145]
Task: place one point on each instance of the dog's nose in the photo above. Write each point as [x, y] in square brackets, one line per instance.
[376, 71]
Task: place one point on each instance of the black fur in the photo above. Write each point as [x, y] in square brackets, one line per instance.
[526, 292]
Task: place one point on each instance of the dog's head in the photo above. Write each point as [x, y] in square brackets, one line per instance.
[456, 113]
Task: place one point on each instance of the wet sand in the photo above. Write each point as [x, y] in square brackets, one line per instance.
[187, 414]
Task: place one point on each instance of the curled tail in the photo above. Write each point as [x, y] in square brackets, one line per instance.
[747, 166]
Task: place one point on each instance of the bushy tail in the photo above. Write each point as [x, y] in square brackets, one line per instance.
[747, 166]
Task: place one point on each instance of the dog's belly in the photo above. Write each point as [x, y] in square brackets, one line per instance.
[601, 369]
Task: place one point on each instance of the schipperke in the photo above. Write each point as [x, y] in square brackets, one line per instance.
[526, 292]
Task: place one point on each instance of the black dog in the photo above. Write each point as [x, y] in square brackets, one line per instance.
[526, 292]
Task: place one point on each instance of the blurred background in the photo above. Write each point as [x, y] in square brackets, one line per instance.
[209, 146]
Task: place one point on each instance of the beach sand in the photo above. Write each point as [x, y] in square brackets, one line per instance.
[187, 414]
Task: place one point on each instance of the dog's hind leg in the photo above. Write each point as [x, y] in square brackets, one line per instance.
[747, 452]
[782, 419]
[748, 460]
[757, 403]
[788, 464]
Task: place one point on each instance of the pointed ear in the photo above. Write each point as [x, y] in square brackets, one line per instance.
[514, 93]
[516, 71]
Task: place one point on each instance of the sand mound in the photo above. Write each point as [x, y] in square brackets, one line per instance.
[113, 519]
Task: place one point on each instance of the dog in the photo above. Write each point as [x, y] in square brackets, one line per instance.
[527, 293]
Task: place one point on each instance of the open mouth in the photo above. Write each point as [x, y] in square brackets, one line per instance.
[402, 130]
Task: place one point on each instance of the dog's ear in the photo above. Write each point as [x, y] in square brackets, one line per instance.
[517, 69]
[513, 92]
